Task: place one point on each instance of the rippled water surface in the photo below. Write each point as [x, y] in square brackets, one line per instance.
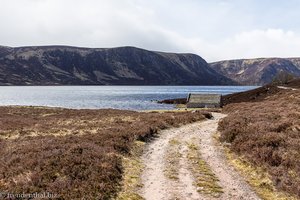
[119, 97]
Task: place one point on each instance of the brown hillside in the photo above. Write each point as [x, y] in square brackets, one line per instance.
[258, 94]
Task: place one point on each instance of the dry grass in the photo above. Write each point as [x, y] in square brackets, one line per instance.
[257, 177]
[133, 168]
[267, 134]
[205, 180]
[73, 153]
[172, 159]
[258, 94]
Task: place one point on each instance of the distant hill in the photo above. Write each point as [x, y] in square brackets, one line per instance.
[256, 71]
[63, 65]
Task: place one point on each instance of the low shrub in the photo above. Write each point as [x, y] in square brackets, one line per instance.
[73, 154]
[267, 133]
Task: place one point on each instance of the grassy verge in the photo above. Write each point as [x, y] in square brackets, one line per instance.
[257, 177]
[133, 168]
[172, 160]
[205, 180]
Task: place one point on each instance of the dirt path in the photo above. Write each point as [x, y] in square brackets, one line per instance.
[286, 88]
[186, 163]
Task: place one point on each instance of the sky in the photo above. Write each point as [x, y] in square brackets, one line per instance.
[214, 29]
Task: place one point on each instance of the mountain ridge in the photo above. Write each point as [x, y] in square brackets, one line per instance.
[256, 71]
[69, 65]
[128, 65]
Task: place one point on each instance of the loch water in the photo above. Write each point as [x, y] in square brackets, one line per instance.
[96, 97]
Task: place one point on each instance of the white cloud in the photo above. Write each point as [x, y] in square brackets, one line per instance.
[258, 43]
[250, 44]
[216, 29]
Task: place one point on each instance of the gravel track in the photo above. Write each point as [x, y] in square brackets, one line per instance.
[157, 186]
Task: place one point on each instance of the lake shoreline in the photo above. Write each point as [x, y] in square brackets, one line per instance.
[94, 97]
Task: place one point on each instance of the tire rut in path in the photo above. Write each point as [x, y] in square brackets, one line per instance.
[157, 186]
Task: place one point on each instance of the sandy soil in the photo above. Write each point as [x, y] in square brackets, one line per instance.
[156, 185]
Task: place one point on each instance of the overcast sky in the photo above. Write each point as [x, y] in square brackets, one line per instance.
[213, 29]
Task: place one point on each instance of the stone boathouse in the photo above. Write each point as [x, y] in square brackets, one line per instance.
[204, 101]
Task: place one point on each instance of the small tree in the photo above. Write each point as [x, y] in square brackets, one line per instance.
[283, 77]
